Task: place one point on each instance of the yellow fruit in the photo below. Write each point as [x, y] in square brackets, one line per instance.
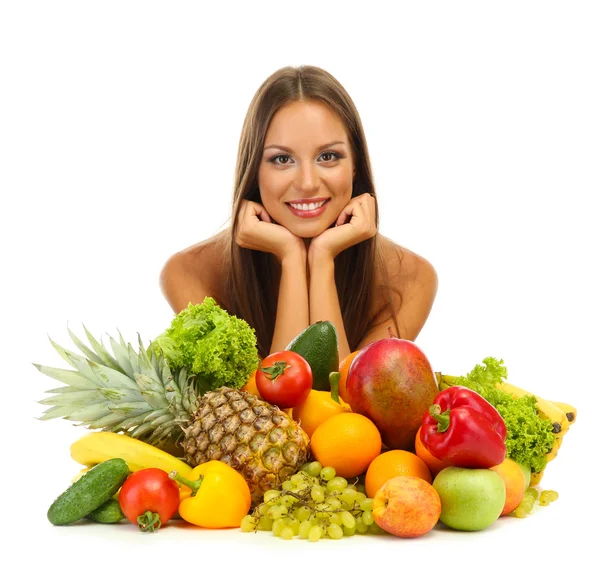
[251, 387]
[348, 442]
[318, 407]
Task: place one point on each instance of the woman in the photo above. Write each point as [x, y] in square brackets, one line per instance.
[304, 243]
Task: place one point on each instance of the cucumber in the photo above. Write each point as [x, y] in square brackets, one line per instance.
[90, 491]
[108, 513]
[318, 344]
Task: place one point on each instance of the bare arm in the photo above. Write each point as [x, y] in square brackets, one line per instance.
[324, 302]
[292, 302]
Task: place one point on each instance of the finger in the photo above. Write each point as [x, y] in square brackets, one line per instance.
[264, 216]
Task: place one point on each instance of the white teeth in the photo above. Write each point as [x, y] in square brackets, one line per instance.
[307, 206]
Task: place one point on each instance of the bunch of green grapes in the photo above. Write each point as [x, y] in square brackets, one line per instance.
[528, 502]
[312, 504]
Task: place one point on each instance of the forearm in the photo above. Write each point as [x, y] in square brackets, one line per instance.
[292, 302]
[324, 304]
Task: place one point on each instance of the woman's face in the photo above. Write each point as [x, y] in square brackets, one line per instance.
[306, 160]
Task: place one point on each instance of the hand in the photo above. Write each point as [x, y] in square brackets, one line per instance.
[256, 231]
[360, 212]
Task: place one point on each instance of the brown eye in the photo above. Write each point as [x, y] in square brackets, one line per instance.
[276, 159]
[332, 156]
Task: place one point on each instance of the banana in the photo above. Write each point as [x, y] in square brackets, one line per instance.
[536, 477]
[97, 447]
[547, 409]
[568, 409]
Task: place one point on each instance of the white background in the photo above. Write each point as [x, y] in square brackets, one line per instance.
[119, 124]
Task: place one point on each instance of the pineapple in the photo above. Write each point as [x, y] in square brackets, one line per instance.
[135, 392]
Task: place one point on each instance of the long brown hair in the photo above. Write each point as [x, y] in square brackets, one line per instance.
[252, 277]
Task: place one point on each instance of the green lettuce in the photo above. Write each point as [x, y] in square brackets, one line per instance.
[528, 436]
[218, 348]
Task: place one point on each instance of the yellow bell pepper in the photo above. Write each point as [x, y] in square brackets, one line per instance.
[218, 496]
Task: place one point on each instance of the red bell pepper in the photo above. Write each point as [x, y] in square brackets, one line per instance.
[463, 429]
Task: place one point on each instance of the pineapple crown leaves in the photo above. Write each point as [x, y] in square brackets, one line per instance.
[127, 391]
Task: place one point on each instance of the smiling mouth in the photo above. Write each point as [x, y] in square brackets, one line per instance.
[314, 206]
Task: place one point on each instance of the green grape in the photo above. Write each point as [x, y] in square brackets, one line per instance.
[360, 526]
[348, 496]
[376, 529]
[315, 533]
[302, 513]
[337, 484]
[335, 531]
[349, 531]
[294, 524]
[314, 520]
[265, 524]
[333, 502]
[297, 478]
[277, 512]
[335, 519]
[287, 485]
[271, 495]
[263, 508]
[367, 518]
[327, 473]
[360, 497]
[544, 500]
[304, 529]
[520, 512]
[533, 492]
[278, 526]
[322, 511]
[549, 494]
[360, 488]
[249, 523]
[302, 486]
[288, 500]
[366, 504]
[313, 468]
[348, 519]
[287, 533]
[317, 493]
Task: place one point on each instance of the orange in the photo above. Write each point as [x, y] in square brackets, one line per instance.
[394, 463]
[250, 386]
[318, 407]
[434, 464]
[348, 442]
[344, 367]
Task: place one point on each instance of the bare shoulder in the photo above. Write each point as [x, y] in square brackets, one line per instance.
[406, 269]
[195, 272]
[413, 281]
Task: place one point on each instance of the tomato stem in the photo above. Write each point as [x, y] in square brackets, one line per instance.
[276, 370]
[149, 521]
[193, 485]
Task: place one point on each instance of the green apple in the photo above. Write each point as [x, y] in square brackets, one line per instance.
[472, 499]
[527, 472]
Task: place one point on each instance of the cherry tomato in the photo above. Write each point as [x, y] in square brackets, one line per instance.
[149, 498]
[284, 379]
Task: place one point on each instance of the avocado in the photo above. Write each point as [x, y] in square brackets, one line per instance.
[318, 344]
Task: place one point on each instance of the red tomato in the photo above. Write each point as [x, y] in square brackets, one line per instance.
[284, 379]
[149, 498]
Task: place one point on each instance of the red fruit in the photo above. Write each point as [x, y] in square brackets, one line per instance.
[391, 382]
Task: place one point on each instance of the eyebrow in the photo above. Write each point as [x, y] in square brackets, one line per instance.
[285, 148]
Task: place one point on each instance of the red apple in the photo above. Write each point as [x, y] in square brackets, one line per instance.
[406, 506]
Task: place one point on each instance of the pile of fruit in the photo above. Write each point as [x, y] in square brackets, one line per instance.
[298, 443]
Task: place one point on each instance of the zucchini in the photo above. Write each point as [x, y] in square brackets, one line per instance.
[90, 491]
[108, 513]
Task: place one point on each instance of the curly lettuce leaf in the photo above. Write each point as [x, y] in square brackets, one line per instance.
[219, 348]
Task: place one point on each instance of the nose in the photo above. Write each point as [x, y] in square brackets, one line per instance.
[307, 178]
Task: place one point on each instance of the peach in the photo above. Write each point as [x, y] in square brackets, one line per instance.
[406, 506]
[514, 482]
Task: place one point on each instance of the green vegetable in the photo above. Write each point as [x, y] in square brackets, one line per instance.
[108, 513]
[89, 492]
[528, 436]
[220, 349]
